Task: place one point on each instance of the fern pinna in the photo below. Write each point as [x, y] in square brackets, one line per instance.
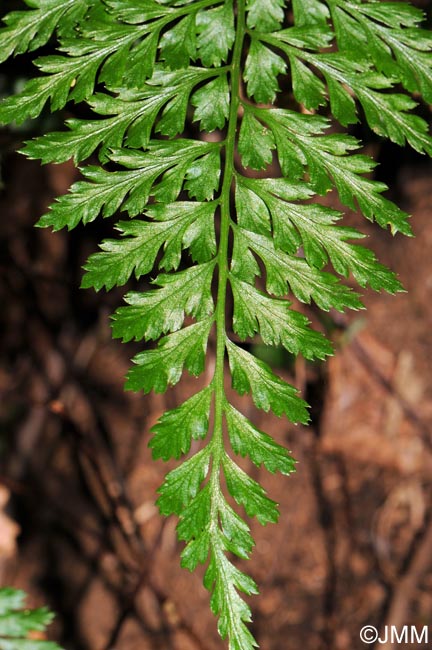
[19, 624]
[145, 67]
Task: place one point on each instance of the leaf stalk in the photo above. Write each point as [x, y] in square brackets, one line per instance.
[229, 171]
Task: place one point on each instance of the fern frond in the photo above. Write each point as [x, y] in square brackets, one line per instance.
[157, 77]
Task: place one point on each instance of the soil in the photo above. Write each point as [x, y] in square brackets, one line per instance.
[79, 529]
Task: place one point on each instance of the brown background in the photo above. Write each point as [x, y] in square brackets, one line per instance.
[78, 525]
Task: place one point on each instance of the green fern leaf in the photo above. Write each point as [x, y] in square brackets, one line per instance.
[30, 29]
[156, 369]
[263, 450]
[173, 434]
[156, 312]
[261, 71]
[185, 128]
[16, 622]
[250, 375]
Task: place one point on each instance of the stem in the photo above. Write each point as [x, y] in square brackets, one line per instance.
[217, 441]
